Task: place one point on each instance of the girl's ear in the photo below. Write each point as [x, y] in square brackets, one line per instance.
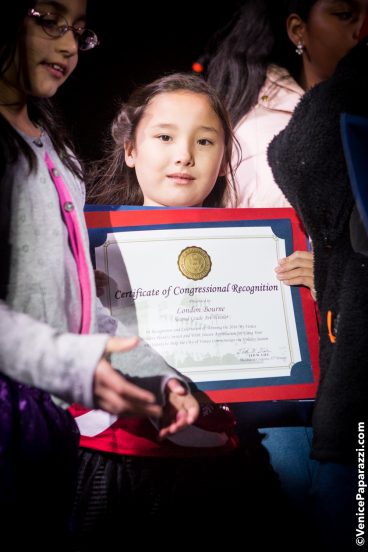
[295, 27]
[129, 154]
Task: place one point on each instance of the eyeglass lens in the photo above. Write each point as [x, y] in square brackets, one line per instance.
[55, 25]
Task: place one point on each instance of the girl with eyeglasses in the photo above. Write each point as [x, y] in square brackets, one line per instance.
[47, 292]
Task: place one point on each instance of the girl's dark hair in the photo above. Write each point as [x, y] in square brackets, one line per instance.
[114, 183]
[256, 38]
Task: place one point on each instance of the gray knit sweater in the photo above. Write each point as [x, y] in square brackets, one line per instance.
[41, 315]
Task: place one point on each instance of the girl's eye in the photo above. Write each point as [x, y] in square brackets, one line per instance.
[344, 16]
[164, 137]
[205, 142]
[50, 21]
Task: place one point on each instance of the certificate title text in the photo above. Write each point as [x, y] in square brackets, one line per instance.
[194, 290]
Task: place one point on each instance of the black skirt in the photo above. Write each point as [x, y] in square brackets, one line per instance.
[120, 496]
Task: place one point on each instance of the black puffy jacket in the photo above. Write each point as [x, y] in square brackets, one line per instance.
[308, 163]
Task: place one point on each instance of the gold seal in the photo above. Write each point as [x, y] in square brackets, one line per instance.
[194, 263]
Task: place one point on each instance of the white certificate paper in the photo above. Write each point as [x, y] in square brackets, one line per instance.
[233, 321]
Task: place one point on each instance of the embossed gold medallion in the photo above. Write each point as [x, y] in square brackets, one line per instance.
[194, 263]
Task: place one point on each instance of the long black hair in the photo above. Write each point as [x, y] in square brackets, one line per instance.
[256, 38]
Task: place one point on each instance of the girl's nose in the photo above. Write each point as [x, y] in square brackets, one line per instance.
[184, 157]
[68, 43]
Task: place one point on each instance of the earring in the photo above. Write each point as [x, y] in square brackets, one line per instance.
[299, 48]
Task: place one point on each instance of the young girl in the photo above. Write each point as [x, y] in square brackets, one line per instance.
[47, 295]
[172, 146]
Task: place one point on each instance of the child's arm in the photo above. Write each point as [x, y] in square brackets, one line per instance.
[71, 366]
[144, 366]
[142, 361]
[113, 392]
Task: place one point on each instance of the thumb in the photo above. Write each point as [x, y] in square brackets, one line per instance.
[120, 344]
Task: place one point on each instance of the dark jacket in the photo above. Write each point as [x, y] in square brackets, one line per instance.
[308, 163]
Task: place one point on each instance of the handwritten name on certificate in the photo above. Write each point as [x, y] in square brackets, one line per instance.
[207, 299]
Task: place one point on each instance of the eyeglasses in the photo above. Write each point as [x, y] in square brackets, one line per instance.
[56, 25]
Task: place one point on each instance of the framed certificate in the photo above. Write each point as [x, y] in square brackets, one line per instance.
[199, 286]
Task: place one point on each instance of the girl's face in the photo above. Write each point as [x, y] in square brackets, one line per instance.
[43, 63]
[178, 149]
[331, 31]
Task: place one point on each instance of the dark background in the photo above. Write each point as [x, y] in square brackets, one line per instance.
[138, 44]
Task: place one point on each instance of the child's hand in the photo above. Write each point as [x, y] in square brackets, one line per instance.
[101, 280]
[114, 393]
[181, 410]
[297, 270]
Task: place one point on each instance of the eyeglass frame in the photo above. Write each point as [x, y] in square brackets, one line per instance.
[63, 29]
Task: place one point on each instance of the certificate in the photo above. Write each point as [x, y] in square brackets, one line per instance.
[199, 286]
